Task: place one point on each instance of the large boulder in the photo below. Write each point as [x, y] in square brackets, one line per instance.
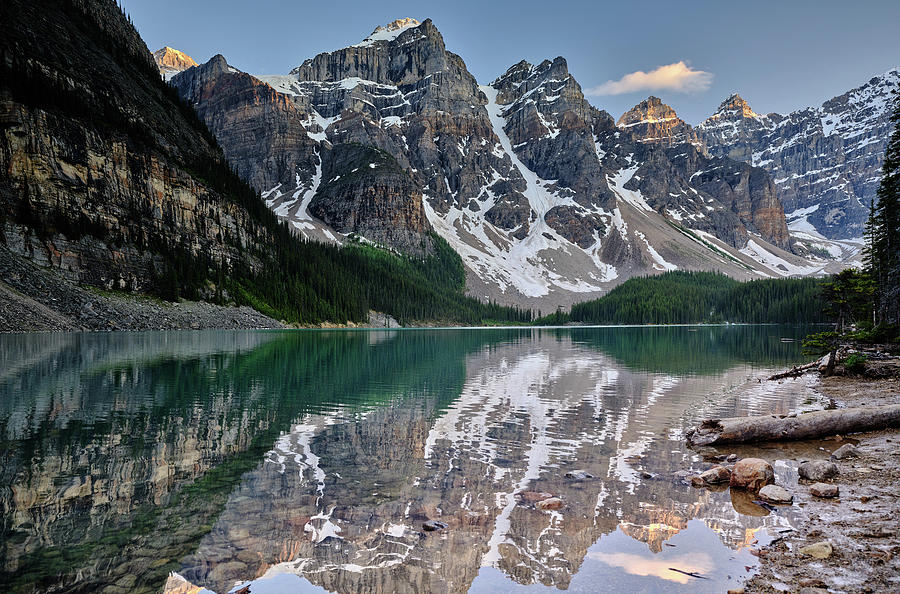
[817, 470]
[752, 474]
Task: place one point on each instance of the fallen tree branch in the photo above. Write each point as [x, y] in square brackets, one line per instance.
[795, 371]
[804, 426]
[690, 573]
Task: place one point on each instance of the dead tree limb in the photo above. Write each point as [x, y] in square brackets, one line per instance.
[795, 371]
[804, 426]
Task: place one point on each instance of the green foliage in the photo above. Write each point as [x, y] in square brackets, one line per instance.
[848, 298]
[855, 363]
[558, 318]
[682, 297]
[883, 231]
[878, 334]
[819, 343]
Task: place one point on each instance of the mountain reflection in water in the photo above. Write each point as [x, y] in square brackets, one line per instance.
[311, 460]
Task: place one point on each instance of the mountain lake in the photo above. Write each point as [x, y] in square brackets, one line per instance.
[314, 461]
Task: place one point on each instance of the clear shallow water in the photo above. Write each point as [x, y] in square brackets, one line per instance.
[308, 461]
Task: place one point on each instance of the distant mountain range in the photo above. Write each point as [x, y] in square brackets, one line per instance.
[548, 199]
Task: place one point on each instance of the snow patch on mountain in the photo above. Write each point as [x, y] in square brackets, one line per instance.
[388, 32]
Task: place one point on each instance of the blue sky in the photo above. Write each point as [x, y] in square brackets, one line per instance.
[779, 56]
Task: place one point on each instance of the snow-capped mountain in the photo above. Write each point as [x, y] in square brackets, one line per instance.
[547, 200]
[171, 61]
[825, 160]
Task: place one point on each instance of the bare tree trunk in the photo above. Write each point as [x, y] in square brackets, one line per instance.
[803, 426]
[829, 368]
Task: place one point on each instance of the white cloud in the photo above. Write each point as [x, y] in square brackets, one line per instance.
[678, 77]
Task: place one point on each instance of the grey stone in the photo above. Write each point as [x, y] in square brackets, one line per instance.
[845, 451]
[817, 470]
[775, 494]
[824, 490]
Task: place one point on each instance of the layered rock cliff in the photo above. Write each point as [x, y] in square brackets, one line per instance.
[97, 155]
[108, 178]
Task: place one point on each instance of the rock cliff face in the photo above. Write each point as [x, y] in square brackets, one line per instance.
[544, 197]
[96, 154]
[171, 61]
[825, 160]
[365, 192]
[261, 131]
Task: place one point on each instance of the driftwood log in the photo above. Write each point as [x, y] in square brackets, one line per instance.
[803, 426]
[795, 371]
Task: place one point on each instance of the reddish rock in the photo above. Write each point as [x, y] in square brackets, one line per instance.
[716, 474]
[534, 496]
[550, 504]
[752, 474]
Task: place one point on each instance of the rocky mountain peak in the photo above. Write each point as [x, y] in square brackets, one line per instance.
[825, 160]
[653, 121]
[514, 75]
[649, 111]
[171, 61]
[390, 31]
[733, 108]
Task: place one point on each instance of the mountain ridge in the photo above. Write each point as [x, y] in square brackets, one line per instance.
[825, 160]
[537, 189]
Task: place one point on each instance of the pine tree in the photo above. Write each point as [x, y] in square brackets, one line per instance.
[885, 228]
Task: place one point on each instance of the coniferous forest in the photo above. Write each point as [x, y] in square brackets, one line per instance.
[682, 297]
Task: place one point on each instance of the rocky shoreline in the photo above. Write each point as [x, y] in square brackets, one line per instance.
[34, 299]
[851, 542]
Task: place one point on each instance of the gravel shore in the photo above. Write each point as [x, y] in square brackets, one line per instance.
[862, 524]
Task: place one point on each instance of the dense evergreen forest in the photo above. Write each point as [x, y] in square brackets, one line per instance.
[682, 297]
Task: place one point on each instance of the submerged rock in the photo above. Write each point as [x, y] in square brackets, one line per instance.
[819, 550]
[818, 470]
[716, 474]
[752, 474]
[775, 494]
[824, 490]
